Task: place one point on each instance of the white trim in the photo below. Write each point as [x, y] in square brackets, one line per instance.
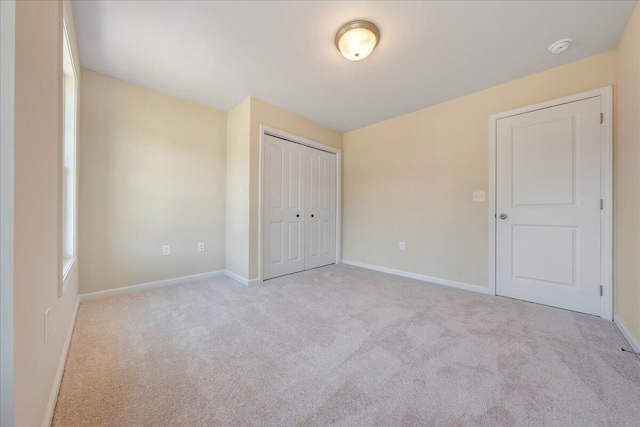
[492, 205]
[55, 389]
[635, 345]
[238, 278]
[309, 143]
[606, 105]
[606, 219]
[68, 39]
[435, 280]
[150, 285]
[7, 95]
[167, 282]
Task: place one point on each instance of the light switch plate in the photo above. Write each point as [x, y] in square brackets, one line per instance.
[478, 196]
[401, 246]
[166, 250]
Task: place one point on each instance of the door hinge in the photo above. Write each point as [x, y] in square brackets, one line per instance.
[601, 204]
[601, 290]
[601, 118]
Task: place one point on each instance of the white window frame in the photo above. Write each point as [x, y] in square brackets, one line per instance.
[7, 106]
[67, 265]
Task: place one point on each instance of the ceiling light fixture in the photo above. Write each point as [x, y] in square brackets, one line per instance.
[357, 39]
[560, 46]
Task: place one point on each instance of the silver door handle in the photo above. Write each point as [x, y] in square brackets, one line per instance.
[503, 216]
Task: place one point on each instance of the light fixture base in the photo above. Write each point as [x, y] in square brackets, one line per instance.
[351, 29]
[560, 46]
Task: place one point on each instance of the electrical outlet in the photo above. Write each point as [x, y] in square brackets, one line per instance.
[402, 246]
[478, 196]
[201, 247]
[166, 250]
[46, 326]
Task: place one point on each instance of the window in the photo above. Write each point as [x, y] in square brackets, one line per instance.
[69, 114]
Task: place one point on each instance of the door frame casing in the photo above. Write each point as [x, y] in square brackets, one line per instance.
[606, 188]
[266, 130]
[7, 205]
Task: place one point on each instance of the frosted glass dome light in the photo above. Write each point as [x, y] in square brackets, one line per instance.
[357, 39]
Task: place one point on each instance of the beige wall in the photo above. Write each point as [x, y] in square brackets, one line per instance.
[238, 156]
[411, 178]
[152, 172]
[38, 154]
[263, 113]
[627, 179]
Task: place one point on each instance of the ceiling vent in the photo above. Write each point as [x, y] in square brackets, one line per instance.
[560, 46]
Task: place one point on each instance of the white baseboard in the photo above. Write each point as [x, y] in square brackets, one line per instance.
[150, 285]
[53, 396]
[627, 334]
[436, 280]
[238, 278]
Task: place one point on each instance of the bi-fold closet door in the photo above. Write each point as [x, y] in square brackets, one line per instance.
[299, 207]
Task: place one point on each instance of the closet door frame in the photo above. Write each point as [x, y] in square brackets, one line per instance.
[266, 130]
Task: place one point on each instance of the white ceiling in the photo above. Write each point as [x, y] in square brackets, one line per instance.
[218, 53]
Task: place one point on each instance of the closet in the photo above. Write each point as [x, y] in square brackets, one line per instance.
[299, 207]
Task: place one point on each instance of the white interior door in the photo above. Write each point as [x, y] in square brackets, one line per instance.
[283, 202]
[320, 208]
[548, 206]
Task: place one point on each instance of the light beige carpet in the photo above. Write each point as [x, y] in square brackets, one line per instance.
[341, 345]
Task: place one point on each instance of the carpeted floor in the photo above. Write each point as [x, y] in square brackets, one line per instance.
[341, 345]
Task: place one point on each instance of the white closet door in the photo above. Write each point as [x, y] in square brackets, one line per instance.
[283, 203]
[548, 206]
[320, 208]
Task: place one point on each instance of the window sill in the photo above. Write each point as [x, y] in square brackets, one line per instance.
[67, 266]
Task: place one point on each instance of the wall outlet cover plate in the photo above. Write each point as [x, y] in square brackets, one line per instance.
[478, 196]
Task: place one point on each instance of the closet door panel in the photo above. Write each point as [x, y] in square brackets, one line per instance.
[320, 208]
[283, 218]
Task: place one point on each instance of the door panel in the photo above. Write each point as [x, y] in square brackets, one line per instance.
[283, 208]
[320, 209]
[538, 178]
[554, 265]
[548, 186]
